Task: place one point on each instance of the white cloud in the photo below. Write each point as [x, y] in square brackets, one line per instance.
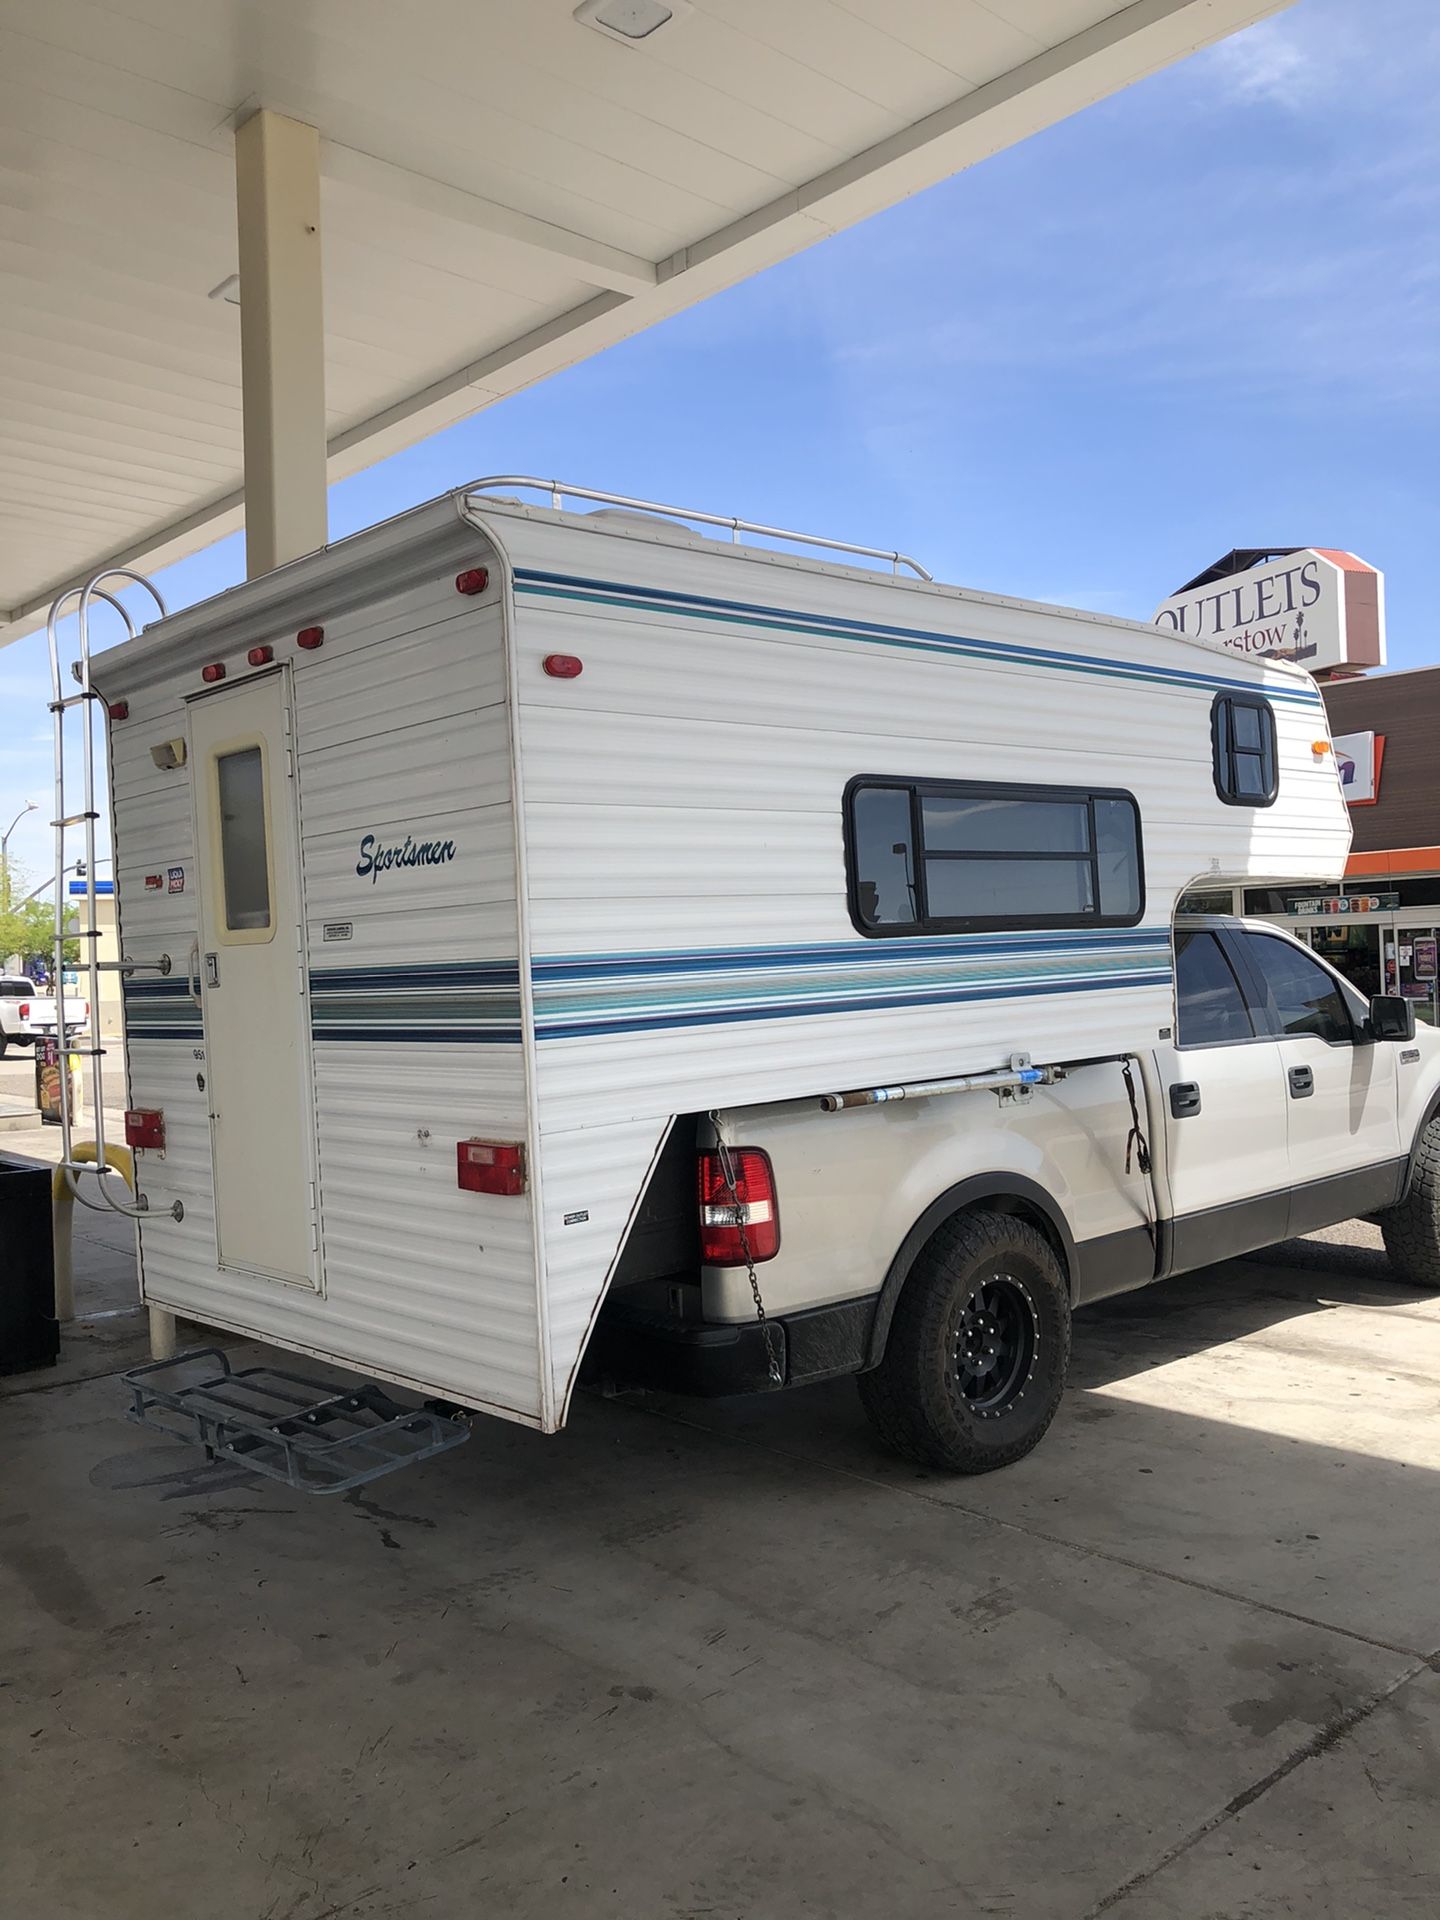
[1266, 63]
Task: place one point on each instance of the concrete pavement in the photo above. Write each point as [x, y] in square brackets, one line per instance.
[731, 1660]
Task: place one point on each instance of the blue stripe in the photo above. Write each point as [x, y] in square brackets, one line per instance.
[343, 979]
[432, 1036]
[866, 953]
[560, 586]
[788, 1010]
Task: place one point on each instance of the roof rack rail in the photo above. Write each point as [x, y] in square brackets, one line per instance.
[560, 490]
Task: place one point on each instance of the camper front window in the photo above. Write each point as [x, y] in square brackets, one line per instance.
[929, 856]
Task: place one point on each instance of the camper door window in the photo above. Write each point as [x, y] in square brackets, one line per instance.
[244, 842]
[928, 856]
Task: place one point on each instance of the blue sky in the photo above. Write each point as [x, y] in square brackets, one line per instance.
[1202, 314]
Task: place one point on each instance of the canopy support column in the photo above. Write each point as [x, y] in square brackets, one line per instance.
[282, 339]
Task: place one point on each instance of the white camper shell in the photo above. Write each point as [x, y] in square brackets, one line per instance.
[539, 830]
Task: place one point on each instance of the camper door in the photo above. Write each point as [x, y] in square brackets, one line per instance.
[256, 1066]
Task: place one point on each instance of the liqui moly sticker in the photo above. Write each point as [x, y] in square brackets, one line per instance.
[175, 877]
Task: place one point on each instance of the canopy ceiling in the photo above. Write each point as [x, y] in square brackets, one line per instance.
[505, 190]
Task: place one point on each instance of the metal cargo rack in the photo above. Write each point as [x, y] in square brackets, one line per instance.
[310, 1434]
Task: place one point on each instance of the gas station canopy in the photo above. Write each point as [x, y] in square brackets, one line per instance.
[504, 189]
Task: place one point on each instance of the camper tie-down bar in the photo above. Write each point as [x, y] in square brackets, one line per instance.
[1015, 1079]
[1018, 1077]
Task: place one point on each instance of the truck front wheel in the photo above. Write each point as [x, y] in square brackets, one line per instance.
[1412, 1230]
[978, 1349]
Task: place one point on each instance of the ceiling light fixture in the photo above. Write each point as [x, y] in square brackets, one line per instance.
[629, 21]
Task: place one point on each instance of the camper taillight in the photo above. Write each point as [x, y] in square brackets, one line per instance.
[490, 1166]
[738, 1211]
[145, 1127]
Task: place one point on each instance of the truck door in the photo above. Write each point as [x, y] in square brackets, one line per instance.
[257, 1040]
[1226, 1151]
[1342, 1119]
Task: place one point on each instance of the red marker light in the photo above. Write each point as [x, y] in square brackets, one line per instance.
[215, 671]
[489, 1166]
[563, 666]
[260, 656]
[119, 709]
[310, 638]
[473, 580]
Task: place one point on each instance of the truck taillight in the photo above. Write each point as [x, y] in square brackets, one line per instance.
[24, 1009]
[738, 1209]
[145, 1127]
[490, 1166]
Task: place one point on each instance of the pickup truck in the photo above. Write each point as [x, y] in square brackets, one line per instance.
[936, 1246]
[27, 1014]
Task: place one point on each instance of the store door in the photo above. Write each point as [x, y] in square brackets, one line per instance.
[1411, 965]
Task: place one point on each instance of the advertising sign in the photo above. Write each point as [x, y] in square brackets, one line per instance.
[1316, 605]
[1345, 903]
[1357, 761]
[1423, 957]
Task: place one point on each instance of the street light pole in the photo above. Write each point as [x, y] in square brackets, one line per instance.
[29, 807]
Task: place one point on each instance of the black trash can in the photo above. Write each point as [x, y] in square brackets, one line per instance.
[29, 1331]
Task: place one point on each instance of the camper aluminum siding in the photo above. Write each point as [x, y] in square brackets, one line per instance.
[400, 719]
[669, 931]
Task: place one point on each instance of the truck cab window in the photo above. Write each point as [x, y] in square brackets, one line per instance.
[1305, 997]
[1210, 1007]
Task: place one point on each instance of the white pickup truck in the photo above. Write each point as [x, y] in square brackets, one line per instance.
[937, 1247]
[28, 1014]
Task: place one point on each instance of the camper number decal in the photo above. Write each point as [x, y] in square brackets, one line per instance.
[375, 859]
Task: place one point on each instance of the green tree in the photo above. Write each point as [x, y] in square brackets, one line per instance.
[27, 927]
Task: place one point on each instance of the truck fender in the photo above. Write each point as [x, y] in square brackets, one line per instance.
[966, 1193]
[1432, 1108]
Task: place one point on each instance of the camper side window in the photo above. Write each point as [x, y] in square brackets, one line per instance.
[1242, 727]
[927, 856]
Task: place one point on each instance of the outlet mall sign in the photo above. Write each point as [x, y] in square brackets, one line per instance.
[1315, 605]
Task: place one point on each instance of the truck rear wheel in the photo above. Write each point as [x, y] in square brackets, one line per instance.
[978, 1349]
[1412, 1230]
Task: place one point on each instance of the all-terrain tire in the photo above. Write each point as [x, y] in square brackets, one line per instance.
[1412, 1229]
[921, 1400]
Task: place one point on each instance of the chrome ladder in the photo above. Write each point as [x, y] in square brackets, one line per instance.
[87, 932]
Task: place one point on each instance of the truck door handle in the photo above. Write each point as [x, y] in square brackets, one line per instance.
[1302, 1083]
[1185, 1098]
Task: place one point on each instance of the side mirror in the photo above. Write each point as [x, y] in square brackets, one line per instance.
[1392, 1017]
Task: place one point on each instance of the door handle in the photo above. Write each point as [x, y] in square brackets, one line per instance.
[212, 969]
[1185, 1098]
[1302, 1083]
